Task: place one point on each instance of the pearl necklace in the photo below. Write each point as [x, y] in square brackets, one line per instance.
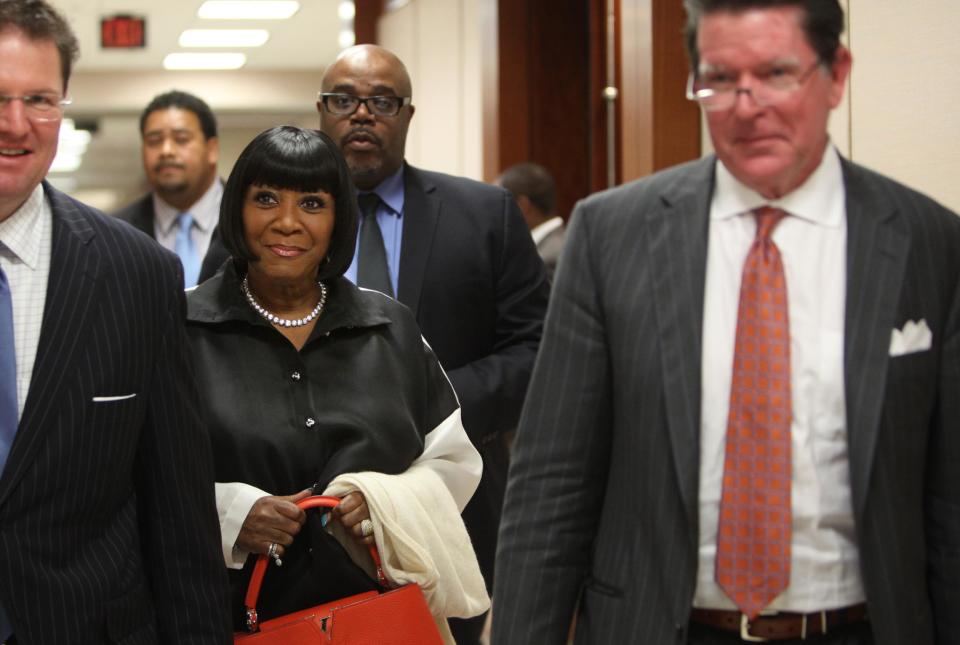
[284, 322]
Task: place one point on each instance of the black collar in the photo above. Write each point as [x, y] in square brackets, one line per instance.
[220, 300]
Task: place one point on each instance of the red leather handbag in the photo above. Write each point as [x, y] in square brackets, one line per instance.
[396, 617]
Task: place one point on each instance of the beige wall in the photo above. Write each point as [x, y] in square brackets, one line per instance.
[905, 92]
[439, 41]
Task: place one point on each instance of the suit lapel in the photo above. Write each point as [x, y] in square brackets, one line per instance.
[421, 212]
[143, 216]
[877, 249]
[71, 291]
[678, 251]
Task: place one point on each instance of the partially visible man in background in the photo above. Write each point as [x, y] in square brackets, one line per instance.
[456, 252]
[180, 153]
[108, 529]
[535, 190]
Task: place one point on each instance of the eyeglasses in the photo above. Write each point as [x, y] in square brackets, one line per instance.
[43, 106]
[718, 90]
[347, 104]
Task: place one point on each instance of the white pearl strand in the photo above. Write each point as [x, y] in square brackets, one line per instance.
[284, 322]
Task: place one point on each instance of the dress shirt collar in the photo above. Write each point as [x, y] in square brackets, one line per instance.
[20, 233]
[541, 231]
[820, 199]
[205, 211]
[390, 192]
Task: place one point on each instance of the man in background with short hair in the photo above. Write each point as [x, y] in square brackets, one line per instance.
[180, 152]
[456, 252]
[535, 190]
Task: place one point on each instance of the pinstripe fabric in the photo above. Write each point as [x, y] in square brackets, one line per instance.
[602, 493]
[108, 528]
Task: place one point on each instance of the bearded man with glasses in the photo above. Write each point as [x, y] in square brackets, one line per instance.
[458, 254]
[108, 528]
[745, 420]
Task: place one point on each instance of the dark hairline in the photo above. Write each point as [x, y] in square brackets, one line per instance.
[822, 23]
[252, 163]
[178, 99]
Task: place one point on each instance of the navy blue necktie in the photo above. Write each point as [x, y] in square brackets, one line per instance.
[372, 269]
[8, 397]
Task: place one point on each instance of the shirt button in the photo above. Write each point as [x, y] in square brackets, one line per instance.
[295, 376]
[310, 422]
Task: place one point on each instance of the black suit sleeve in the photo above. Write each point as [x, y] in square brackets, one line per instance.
[943, 488]
[492, 388]
[175, 495]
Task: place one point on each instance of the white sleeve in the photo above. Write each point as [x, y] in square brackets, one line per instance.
[447, 451]
[234, 501]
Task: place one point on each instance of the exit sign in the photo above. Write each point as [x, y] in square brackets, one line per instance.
[123, 32]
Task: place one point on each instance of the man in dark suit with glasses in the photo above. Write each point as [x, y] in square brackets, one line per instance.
[457, 252]
[108, 529]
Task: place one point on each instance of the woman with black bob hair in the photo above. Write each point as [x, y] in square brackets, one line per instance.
[305, 377]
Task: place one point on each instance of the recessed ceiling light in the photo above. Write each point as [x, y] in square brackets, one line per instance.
[224, 37]
[346, 38]
[70, 148]
[184, 60]
[248, 9]
[347, 10]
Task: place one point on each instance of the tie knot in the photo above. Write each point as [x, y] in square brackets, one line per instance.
[368, 203]
[767, 219]
[184, 221]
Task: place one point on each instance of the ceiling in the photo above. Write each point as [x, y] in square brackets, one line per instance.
[109, 88]
[305, 41]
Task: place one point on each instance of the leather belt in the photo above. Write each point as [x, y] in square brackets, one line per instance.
[778, 626]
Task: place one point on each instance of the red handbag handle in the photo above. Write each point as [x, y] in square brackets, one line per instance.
[260, 568]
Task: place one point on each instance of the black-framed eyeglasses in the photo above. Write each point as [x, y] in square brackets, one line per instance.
[346, 104]
[718, 90]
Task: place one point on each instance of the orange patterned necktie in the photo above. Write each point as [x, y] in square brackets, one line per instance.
[753, 540]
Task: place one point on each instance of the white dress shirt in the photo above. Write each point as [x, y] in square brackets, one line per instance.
[26, 238]
[541, 231]
[206, 215]
[824, 567]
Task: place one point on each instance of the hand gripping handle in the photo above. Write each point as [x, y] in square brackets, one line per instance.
[260, 568]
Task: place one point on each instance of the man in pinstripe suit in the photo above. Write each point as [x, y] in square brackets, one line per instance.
[615, 492]
[108, 530]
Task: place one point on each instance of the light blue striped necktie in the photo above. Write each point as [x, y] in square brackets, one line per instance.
[8, 397]
[185, 247]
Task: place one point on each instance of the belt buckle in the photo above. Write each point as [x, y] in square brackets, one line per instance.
[745, 634]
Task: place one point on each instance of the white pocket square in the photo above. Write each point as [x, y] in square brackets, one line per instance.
[914, 337]
[108, 399]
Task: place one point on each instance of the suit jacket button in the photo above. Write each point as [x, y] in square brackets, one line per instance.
[295, 376]
[310, 422]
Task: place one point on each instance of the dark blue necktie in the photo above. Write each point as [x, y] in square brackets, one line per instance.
[372, 269]
[8, 397]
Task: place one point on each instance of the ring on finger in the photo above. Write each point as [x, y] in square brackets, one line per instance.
[272, 552]
[366, 527]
